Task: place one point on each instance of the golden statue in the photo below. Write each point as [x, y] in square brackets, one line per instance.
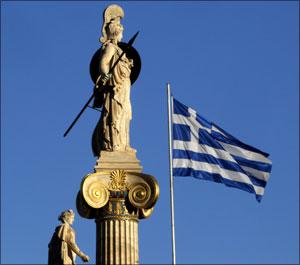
[112, 130]
[62, 247]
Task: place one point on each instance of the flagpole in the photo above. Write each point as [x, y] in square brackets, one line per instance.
[171, 174]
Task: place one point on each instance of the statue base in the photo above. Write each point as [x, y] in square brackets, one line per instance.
[112, 160]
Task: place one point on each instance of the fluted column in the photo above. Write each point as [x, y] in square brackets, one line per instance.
[117, 232]
[117, 200]
[117, 242]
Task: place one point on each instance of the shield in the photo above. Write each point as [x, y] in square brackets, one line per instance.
[131, 53]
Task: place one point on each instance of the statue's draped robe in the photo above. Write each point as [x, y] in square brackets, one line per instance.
[62, 247]
[112, 131]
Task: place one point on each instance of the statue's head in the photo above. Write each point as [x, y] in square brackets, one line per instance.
[67, 216]
[112, 29]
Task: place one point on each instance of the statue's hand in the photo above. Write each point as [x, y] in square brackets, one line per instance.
[130, 63]
[105, 78]
[85, 258]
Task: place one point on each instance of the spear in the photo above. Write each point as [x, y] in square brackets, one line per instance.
[129, 44]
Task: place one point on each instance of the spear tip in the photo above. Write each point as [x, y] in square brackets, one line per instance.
[130, 42]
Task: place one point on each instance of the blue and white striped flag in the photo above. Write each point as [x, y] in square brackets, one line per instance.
[203, 150]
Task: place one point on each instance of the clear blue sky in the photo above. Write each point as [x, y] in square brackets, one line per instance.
[236, 63]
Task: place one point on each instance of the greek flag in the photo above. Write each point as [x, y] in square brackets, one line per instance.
[203, 150]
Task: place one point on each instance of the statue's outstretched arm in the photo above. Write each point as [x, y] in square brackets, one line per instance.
[74, 247]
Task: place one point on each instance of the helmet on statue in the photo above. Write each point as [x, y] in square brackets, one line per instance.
[111, 13]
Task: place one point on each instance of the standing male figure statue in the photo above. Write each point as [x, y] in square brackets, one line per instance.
[112, 131]
[62, 247]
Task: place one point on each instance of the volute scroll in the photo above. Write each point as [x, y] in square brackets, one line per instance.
[94, 191]
[143, 191]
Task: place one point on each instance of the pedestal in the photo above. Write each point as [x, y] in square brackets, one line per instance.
[117, 195]
[118, 160]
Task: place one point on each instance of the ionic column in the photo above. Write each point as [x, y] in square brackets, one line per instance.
[117, 233]
[117, 242]
[117, 200]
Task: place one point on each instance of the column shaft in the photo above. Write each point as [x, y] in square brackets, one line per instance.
[117, 242]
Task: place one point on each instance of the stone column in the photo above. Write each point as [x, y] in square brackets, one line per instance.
[117, 198]
[117, 241]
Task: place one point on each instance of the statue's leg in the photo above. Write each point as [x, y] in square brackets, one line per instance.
[116, 125]
[128, 147]
[127, 133]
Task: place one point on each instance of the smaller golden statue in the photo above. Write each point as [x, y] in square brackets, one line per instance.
[62, 247]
